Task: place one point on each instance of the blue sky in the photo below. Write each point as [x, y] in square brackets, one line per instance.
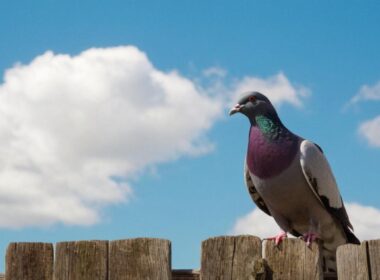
[139, 91]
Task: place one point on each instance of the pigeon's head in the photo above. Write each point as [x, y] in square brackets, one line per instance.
[254, 104]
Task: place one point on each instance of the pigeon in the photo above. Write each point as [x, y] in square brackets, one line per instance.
[289, 178]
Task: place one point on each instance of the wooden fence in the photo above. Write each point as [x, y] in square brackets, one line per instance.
[222, 258]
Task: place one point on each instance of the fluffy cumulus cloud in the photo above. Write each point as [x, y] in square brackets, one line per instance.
[364, 219]
[370, 130]
[278, 89]
[69, 125]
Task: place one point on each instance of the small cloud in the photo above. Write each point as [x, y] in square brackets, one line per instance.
[366, 93]
[277, 88]
[370, 131]
[216, 82]
[215, 72]
[363, 218]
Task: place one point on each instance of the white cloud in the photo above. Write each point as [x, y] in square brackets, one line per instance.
[364, 219]
[69, 123]
[215, 72]
[277, 88]
[367, 93]
[370, 130]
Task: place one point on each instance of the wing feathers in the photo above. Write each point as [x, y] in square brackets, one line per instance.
[318, 173]
[321, 180]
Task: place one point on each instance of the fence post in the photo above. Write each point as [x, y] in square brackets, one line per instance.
[232, 257]
[81, 260]
[29, 261]
[292, 259]
[352, 262]
[359, 261]
[140, 258]
[373, 247]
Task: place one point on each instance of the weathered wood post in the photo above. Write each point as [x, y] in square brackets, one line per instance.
[140, 258]
[373, 251]
[29, 261]
[232, 257]
[81, 260]
[359, 261]
[352, 262]
[292, 259]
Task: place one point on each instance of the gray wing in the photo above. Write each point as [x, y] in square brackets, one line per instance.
[257, 199]
[320, 178]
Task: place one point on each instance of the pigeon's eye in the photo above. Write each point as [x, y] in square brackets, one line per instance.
[252, 99]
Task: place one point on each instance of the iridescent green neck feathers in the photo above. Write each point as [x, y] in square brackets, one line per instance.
[268, 126]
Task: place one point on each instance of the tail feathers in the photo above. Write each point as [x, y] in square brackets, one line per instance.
[351, 238]
[329, 249]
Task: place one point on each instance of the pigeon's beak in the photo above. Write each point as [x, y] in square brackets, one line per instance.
[236, 109]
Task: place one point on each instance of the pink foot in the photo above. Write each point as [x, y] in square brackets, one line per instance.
[309, 238]
[278, 238]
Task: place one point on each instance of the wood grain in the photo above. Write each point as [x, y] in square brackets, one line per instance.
[373, 253]
[231, 257]
[29, 261]
[81, 260]
[140, 258]
[292, 259]
[352, 262]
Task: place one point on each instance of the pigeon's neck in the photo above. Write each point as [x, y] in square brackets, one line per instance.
[270, 126]
[271, 148]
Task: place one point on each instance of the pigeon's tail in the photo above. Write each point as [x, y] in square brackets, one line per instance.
[329, 247]
[351, 238]
[329, 254]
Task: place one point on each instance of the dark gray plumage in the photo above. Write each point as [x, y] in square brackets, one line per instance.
[290, 179]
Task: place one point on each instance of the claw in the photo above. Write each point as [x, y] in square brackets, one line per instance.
[309, 238]
[278, 238]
